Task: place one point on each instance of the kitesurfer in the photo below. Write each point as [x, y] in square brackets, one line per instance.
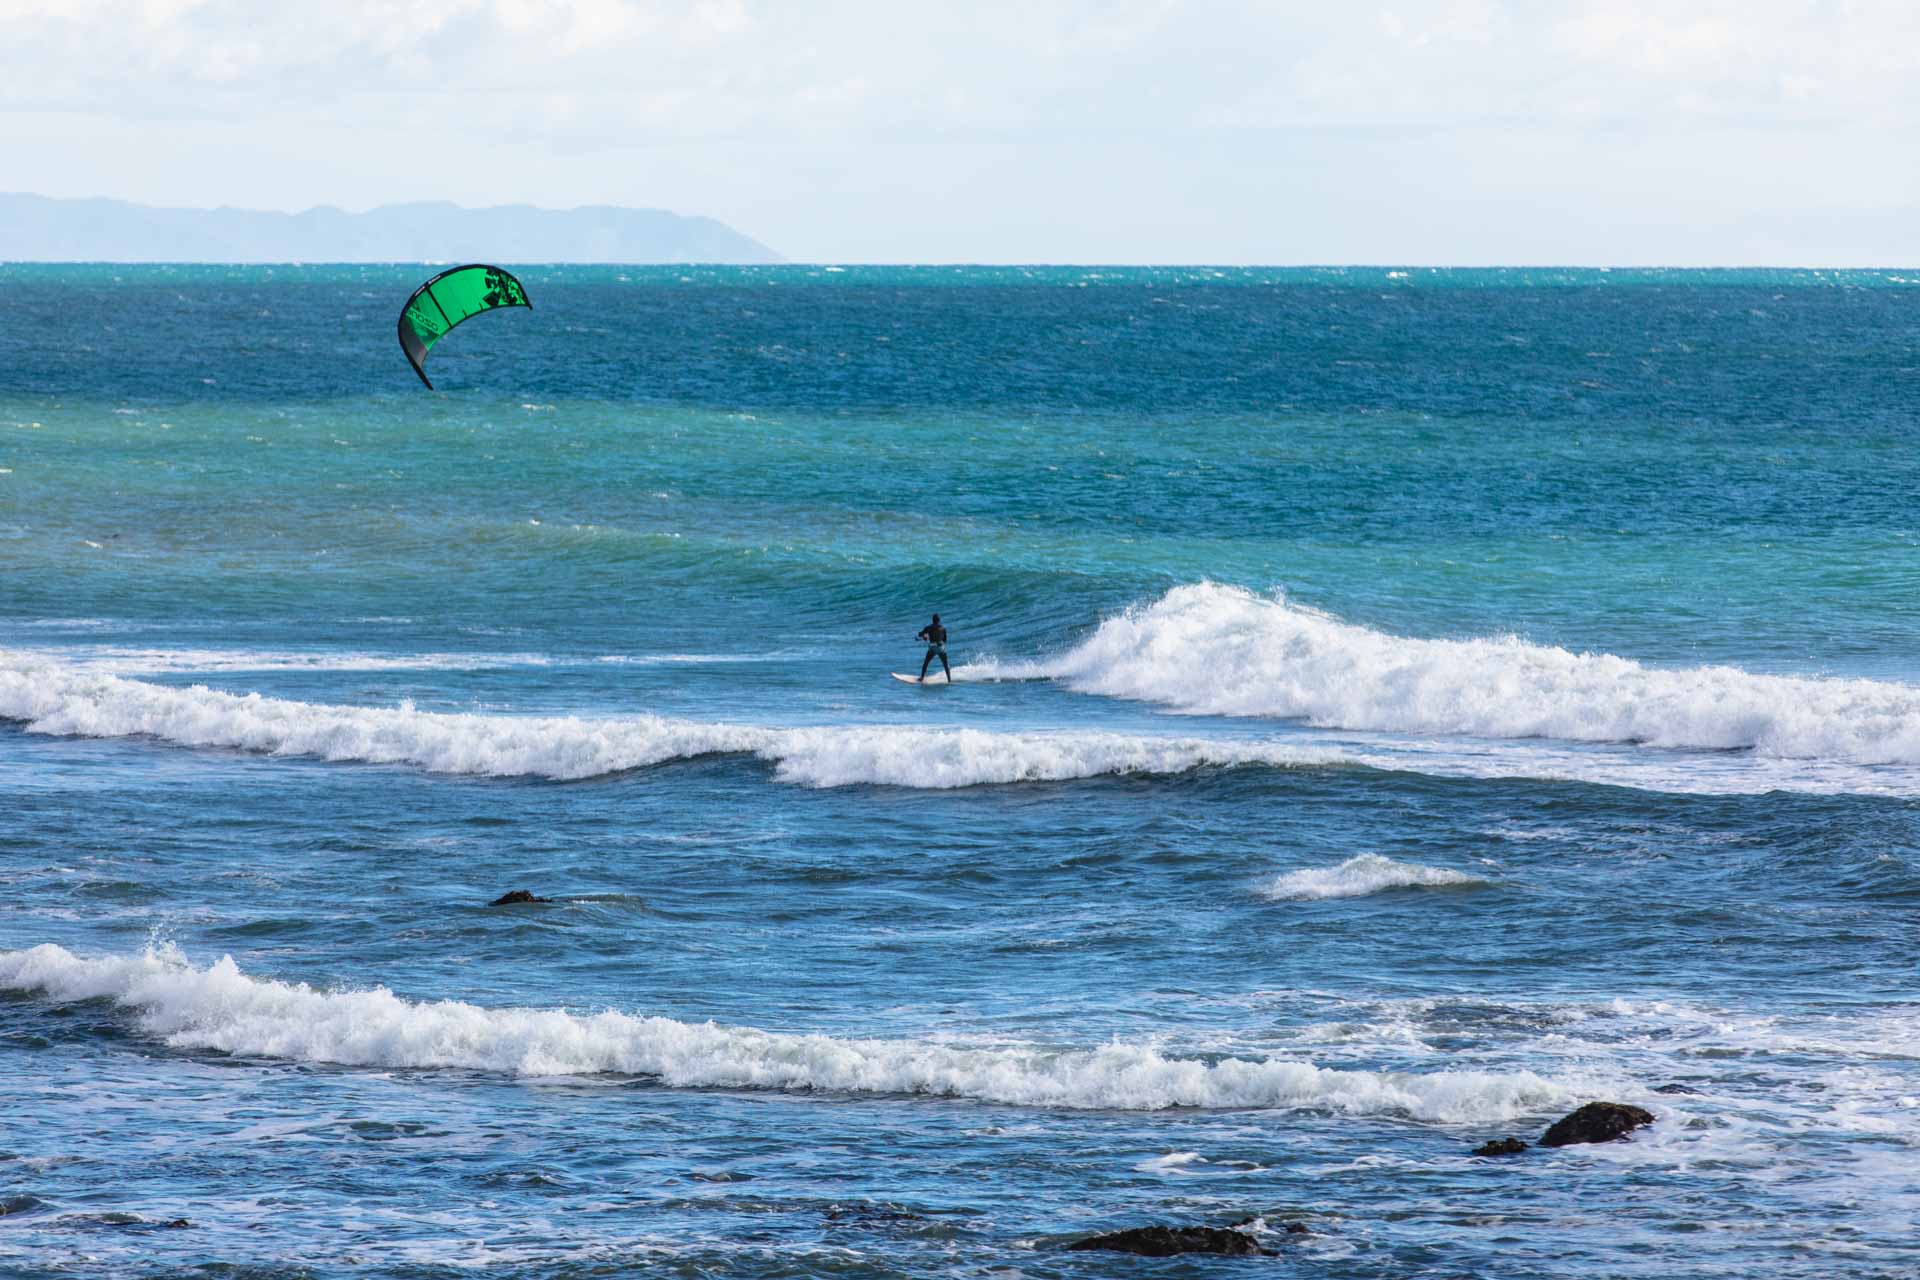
[936, 637]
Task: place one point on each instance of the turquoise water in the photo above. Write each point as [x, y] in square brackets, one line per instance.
[1394, 708]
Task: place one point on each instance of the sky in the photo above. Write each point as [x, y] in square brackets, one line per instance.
[1449, 132]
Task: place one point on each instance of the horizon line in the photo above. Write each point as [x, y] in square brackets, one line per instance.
[843, 264]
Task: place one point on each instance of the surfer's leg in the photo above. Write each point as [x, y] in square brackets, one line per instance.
[943, 665]
[927, 661]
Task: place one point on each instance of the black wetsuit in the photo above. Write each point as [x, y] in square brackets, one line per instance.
[936, 637]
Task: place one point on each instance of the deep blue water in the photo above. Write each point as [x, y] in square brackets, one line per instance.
[1395, 707]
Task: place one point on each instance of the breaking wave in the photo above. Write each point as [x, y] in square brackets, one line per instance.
[1360, 876]
[1217, 650]
[220, 1008]
[56, 699]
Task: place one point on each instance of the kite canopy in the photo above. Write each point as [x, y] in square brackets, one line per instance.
[446, 300]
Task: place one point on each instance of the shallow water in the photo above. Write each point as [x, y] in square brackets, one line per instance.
[1393, 709]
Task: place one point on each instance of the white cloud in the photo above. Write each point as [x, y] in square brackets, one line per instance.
[703, 103]
[1021, 65]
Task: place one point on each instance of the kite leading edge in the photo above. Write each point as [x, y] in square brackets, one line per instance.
[447, 299]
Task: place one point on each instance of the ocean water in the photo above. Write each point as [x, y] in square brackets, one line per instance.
[1393, 707]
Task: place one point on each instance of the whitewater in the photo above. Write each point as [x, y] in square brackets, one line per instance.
[1209, 649]
[219, 1007]
[1203, 650]
[1364, 874]
[56, 699]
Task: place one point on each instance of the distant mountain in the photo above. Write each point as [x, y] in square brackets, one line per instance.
[39, 229]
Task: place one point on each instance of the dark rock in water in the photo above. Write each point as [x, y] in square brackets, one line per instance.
[868, 1215]
[1596, 1122]
[517, 897]
[117, 1220]
[1676, 1088]
[20, 1204]
[1501, 1147]
[1165, 1242]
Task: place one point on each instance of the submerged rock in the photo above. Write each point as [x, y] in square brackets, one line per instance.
[1675, 1088]
[1596, 1122]
[517, 897]
[868, 1215]
[1501, 1147]
[1165, 1242]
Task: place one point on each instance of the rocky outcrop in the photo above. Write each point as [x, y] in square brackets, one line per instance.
[517, 897]
[1501, 1147]
[1596, 1122]
[1165, 1242]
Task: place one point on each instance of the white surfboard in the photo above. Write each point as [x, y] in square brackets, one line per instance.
[939, 679]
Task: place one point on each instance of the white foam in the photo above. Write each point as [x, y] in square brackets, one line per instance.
[1172, 1162]
[56, 698]
[910, 757]
[1360, 876]
[220, 1008]
[59, 697]
[1219, 650]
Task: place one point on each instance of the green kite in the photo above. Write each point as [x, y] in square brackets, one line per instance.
[449, 298]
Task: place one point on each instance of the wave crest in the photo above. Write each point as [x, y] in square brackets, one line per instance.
[1357, 877]
[57, 699]
[1216, 650]
[220, 1008]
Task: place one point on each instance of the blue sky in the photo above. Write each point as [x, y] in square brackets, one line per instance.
[1458, 131]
